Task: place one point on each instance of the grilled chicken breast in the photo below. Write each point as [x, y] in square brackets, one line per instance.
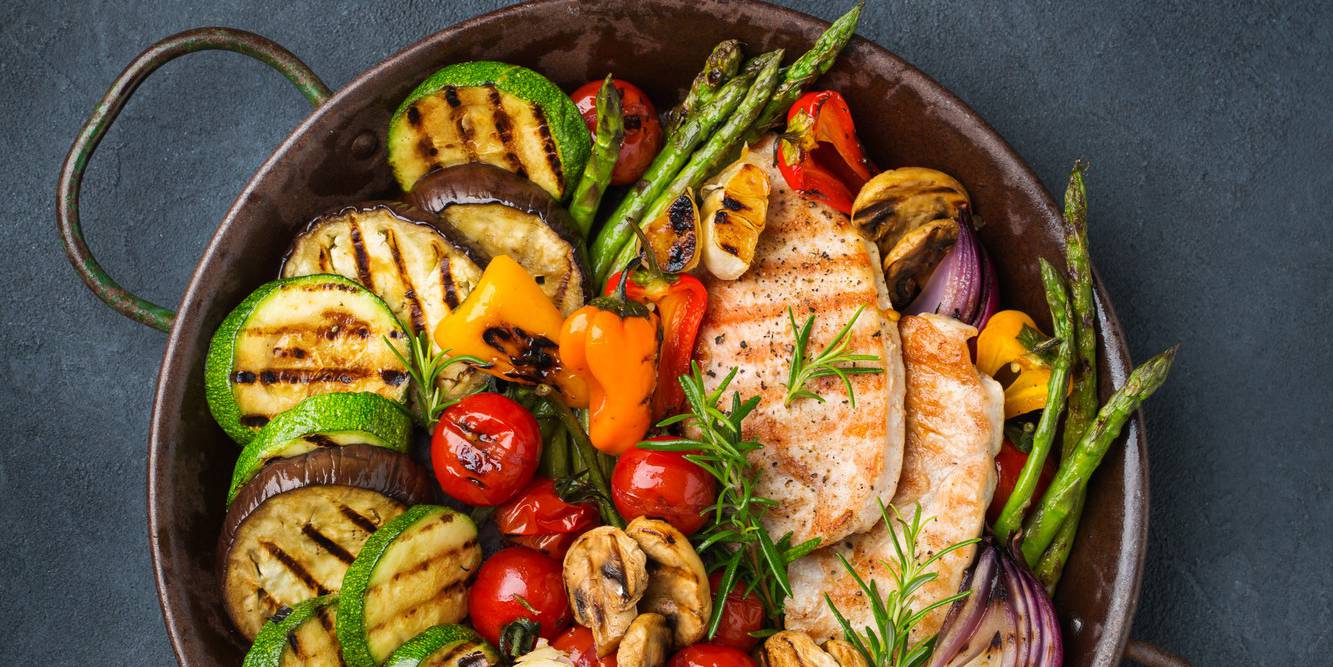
[824, 463]
[954, 427]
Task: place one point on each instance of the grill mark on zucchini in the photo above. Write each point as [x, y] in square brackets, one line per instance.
[321, 441]
[294, 567]
[359, 250]
[256, 421]
[459, 116]
[452, 588]
[548, 146]
[504, 126]
[295, 644]
[447, 283]
[448, 658]
[363, 522]
[409, 291]
[272, 376]
[434, 558]
[336, 550]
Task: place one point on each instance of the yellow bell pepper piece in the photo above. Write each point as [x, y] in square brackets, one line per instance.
[998, 348]
[509, 322]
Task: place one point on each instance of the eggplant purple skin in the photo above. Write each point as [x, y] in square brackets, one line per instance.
[478, 183]
[362, 466]
[403, 211]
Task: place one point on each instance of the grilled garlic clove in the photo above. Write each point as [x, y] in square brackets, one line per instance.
[647, 643]
[677, 581]
[735, 209]
[605, 575]
[674, 235]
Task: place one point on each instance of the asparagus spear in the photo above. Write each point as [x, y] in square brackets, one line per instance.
[810, 66]
[722, 64]
[668, 162]
[1072, 478]
[605, 151]
[705, 160]
[587, 457]
[1011, 517]
[1083, 395]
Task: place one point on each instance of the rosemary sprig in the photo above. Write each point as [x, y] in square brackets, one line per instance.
[736, 541]
[833, 361]
[888, 643]
[424, 369]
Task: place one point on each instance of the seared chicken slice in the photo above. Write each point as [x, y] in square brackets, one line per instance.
[954, 426]
[824, 463]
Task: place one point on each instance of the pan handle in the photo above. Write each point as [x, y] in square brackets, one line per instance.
[1151, 655]
[71, 173]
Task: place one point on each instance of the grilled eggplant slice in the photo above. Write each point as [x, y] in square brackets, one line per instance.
[292, 531]
[674, 235]
[295, 338]
[445, 646]
[503, 214]
[303, 636]
[493, 113]
[411, 574]
[421, 268]
[326, 420]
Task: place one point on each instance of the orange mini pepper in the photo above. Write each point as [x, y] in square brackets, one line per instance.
[999, 347]
[508, 321]
[612, 344]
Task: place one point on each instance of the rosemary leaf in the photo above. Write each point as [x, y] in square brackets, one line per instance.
[832, 362]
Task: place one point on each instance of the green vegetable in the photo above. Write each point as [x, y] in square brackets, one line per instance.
[445, 646]
[1011, 517]
[831, 362]
[888, 644]
[425, 368]
[617, 230]
[1052, 563]
[605, 151]
[410, 575]
[735, 540]
[301, 634]
[1072, 478]
[326, 420]
[484, 111]
[810, 66]
[707, 159]
[722, 64]
[298, 337]
[588, 461]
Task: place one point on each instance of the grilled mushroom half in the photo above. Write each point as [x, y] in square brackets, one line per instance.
[797, 649]
[505, 214]
[291, 532]
[647, 643]
[606, 574]
[677, 581]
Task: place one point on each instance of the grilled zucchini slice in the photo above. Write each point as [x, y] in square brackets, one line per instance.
[302, 636]
[295, 338]
[493, 113]
[503, 214]
[421, 268]
[411, 574]
[291, 533]
[445, 646]
[326, 420]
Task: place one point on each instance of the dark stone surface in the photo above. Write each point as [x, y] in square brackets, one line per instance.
[1207, 124]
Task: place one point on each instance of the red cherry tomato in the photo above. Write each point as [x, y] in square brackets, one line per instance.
[1009, 462]
[514, 573]
[742, 614]
[538, 510]
[710, 655]
[643, 131]
[554, 545]
[485, 449]
[662, 485]
[578, 644]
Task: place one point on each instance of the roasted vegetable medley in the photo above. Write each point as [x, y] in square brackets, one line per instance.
[607, 387]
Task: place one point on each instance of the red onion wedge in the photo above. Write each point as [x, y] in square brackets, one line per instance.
[1007, 619]
[964, 285]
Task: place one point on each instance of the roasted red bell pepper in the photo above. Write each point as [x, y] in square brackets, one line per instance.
[819, 154]
[539, 518]
[680, 300]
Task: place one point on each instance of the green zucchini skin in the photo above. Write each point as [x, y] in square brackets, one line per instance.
[461, 643]
[219, 364]
[358, 581]
[335, 420]
[275, 637]
[558, 120]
